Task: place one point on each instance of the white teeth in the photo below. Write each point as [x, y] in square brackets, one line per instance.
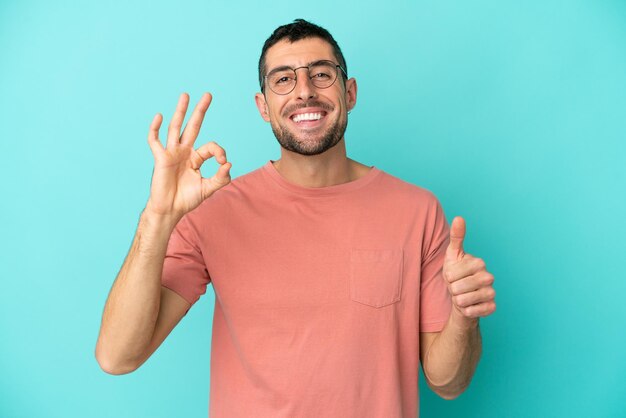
[307, 116]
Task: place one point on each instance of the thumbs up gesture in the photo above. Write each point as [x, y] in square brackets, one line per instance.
[469, 282]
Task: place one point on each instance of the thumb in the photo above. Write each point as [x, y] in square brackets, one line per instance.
[457, 235]
[219, 180]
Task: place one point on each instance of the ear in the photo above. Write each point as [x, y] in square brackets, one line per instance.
[261, 104]
[351, 90]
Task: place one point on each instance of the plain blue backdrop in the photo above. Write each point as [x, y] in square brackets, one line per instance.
[512, 113]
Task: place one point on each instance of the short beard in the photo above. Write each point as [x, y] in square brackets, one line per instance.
[331, 137]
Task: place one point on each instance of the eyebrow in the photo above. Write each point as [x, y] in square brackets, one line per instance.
[287, 67]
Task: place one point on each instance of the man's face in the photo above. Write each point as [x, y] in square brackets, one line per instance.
[309, 120]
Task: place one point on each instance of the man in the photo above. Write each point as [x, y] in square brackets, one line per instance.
[328, 274]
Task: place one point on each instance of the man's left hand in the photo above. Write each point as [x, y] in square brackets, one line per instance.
[469, 282]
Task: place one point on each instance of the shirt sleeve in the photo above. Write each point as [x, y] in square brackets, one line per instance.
[184, 269]
[435, 302]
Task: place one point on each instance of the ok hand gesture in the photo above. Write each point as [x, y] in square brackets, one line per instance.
[469, 282]
[177, 185]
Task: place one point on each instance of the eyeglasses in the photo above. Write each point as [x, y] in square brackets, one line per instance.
[282, 80]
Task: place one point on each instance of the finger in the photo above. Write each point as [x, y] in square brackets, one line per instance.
[173, 132]
[467, 267]
[153, 134]
[471, 283]
[219, 180]
[479, 310]
[485, 294]
[457, 235]
[207, 151]
[190, 133]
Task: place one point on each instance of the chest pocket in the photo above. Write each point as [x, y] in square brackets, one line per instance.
[376, 277]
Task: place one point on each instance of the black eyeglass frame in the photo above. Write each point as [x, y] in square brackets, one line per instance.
[308, 67]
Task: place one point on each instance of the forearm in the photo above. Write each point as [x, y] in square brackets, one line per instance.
[132, 308]
[453, 356]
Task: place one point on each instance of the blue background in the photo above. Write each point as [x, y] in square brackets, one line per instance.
[512, 113]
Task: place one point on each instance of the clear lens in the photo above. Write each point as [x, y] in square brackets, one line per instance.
[282, 82]
[322, 75]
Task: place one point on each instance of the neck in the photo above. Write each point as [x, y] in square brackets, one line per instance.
[327, 169]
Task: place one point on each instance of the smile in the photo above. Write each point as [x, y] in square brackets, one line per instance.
[302, 117]
[310, 117]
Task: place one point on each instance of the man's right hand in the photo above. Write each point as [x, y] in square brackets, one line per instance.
[177, 184]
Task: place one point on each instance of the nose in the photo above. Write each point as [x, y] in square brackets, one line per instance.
[304, 89]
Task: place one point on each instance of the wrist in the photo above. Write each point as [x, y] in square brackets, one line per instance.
[458, 320]
[158, 216]
[151, 221]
